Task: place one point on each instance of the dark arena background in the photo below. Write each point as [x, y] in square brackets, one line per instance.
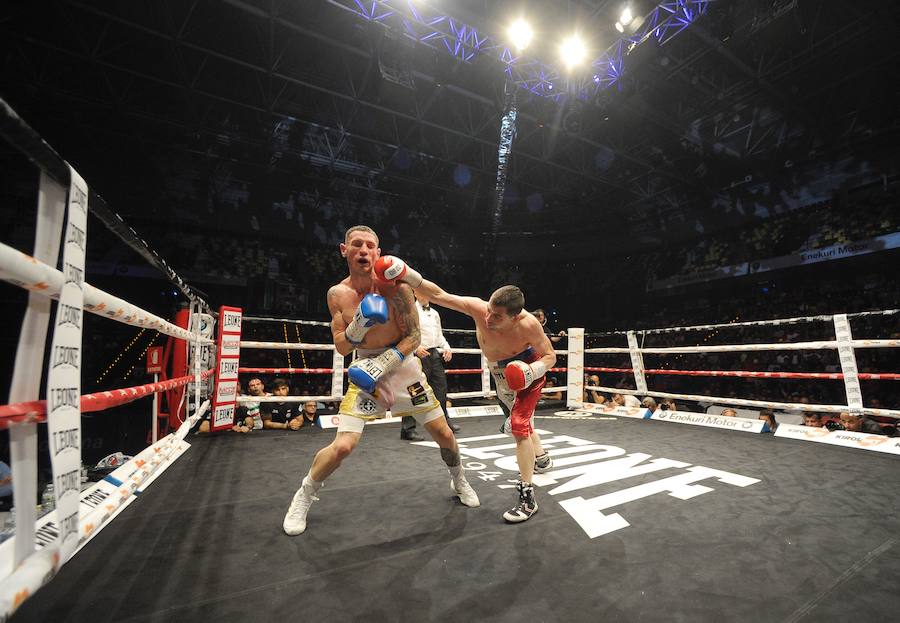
[703, 197]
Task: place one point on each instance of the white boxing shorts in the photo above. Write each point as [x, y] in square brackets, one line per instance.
[403, 390]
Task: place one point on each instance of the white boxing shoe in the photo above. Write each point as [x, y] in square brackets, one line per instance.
[465, 493]
[295, 519]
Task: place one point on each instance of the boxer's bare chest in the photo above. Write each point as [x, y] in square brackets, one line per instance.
[499, 345]
[386, 334]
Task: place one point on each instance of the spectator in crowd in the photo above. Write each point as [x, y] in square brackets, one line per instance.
[667, 404]
[255, 387]
[626, 400]
[859, 424]
[243, 423]
[6, 487]
[554, 335]
[812, 419]
[729, 412]
[592, 395]
[650, 404]
[281, 415]
[768, 417]
[552, 395]
[310, 412]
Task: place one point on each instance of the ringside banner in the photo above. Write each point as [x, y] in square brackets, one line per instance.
[638, 413]
[846, 438]
[714, 421]
[745, 425]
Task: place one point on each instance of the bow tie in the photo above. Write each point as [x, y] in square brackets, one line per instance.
[426, 307]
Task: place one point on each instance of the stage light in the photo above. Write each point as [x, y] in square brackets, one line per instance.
[520, 34]
[625, 19]
[572, 51]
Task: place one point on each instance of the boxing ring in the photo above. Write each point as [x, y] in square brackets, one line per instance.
[651, 515]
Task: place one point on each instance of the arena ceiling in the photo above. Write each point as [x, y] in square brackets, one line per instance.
[308, 97]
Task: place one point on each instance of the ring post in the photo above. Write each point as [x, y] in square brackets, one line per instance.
[337, 374]
[575, 369]
[637, 362]
[228, 352]
[844, 338]
[26, 380]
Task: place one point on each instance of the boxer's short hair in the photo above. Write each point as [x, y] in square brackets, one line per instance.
[509, 298]
[364, 228]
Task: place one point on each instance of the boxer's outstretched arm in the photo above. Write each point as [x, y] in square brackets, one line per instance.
[469, 305]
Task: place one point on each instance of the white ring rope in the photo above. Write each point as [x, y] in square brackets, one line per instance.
[787, 406]
[732, 348]
[22, 270]
[245, 399]
[286, 345]
[313, 323]
[749, 323]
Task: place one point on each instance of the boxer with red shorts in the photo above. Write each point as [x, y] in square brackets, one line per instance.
[521, 404]
[518, 353]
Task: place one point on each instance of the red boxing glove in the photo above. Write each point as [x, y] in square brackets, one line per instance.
[392, 269]
[520, 375]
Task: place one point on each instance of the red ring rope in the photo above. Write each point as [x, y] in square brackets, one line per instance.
[36, 410]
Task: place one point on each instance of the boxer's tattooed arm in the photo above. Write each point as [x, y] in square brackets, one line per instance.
[404, 302]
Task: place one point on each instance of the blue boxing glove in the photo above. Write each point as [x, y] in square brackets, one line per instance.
[364, 373]
[372, 310]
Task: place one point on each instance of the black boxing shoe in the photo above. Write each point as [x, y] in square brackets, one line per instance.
[543, 463]
[526, 507]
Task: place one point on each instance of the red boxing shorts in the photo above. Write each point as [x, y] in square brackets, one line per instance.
[521, 404]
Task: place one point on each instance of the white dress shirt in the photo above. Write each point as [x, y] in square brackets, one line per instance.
[430, 326]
